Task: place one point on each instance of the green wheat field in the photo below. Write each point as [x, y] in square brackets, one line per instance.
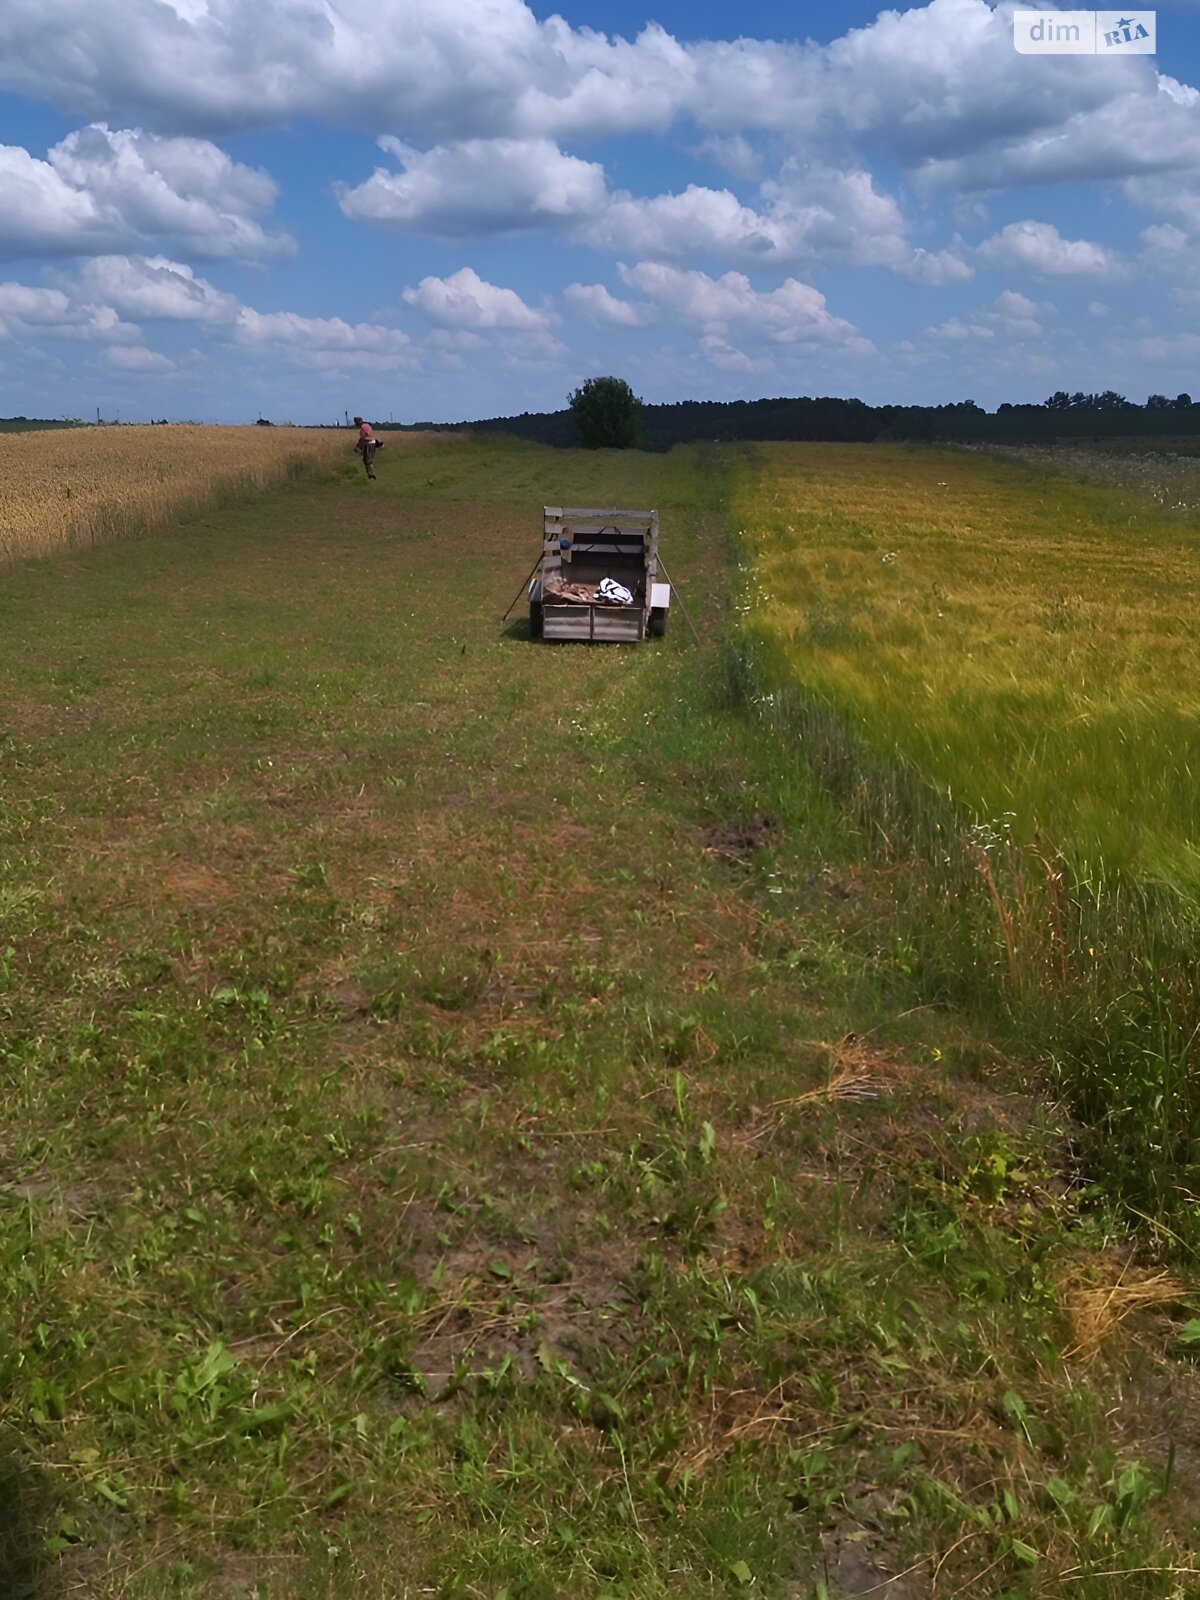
[1027, 641]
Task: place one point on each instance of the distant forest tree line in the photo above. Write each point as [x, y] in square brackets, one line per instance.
[1104, 415]
[1061, 416]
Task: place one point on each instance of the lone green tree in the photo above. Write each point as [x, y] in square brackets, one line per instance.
[606, 413]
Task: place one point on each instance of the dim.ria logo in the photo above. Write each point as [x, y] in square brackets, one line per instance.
[1084, 33]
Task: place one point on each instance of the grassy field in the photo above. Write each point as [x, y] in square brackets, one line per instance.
[1165, 471]
[69, 486]
[471, 1126]
[1026, 641]
[993, 665]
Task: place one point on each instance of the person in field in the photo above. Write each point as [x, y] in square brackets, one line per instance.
[367, 445]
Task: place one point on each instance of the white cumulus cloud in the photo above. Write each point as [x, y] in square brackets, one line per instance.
[323, 341]
[793, 312]
[32, 305]
[1016, 312]
[809, 213]
[936, 267]
[476, 188]
[939, 85]
[156, 288]
[480, 188]
[25, 307]
[491, 114]
[726, 357]
[955, 329]
[138, 358]
[595, 301]
[1038, 247]
[42, 215]
[1012, 315]
[465, 300]
[734, 153]
[101, 190]
[460, 69]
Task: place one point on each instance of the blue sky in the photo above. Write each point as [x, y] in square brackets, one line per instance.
[210, 210]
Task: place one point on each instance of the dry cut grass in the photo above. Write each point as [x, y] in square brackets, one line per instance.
[1097, 1308]
[80, 486]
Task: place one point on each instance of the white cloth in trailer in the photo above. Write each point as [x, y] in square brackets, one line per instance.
[610, 592]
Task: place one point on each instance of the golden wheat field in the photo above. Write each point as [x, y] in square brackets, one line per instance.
[73, 486]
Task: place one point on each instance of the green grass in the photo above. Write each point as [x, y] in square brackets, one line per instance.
[471, 1127]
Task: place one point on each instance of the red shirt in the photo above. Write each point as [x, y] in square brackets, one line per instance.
[364, 431]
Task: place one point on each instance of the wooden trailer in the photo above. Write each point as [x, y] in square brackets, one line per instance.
[589, 557]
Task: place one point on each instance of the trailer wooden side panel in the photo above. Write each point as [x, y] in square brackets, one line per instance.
[594, 624]
[617, 625]
[566, 622]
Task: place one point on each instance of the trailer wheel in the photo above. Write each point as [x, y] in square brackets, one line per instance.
[658, 622]
[535, 619]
